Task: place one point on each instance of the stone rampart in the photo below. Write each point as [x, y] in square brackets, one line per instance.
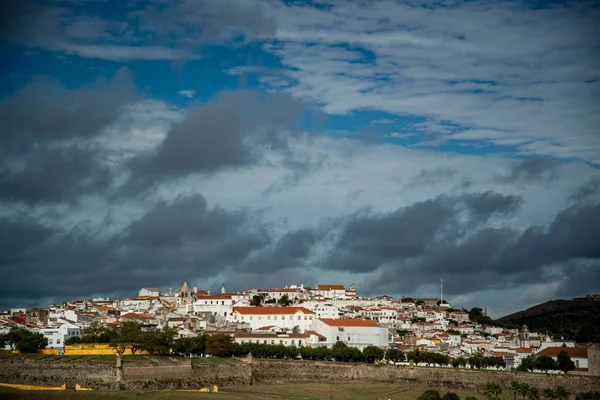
[178, 374]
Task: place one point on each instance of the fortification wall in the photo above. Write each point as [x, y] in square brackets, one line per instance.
[55, 374]
[175, 374]
[277, 372]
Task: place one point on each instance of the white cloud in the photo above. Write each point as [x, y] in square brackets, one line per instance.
[501, 73]
[190, 94]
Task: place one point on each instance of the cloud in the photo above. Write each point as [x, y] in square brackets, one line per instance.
[182, 238]
[190, 94]
[47, 149]
[462, 68]
[230, 131]
[532, 169]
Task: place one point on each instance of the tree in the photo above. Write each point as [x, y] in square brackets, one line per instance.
[158, 341]
[257, 300]
[93, 332]
[492, 389]
[284, 300]
[528, 364]
[561, 393]
[546, 363]
[372, 354]
[26, 341]
[524, 389]
[128, 335]
[394, 355]
[219, 345]
[564, 362]
[450, 396]
[73, 340]
[514, 387]
[430, 395]
[533, 393]
[548, 394]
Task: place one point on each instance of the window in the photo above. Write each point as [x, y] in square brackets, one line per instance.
[337, 338]
[264, 341]
[57, 341]
[272, 342]
[292, 341]
[281, 342]
[299, 318]
[348, 338]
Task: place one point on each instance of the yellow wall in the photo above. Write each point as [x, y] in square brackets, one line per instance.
[95, 349]
[49, 351]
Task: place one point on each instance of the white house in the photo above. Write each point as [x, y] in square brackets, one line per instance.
[282, 318]
[353, 332]
[149, 292]
[579, 355]
[323, 308]
[330, 291]
[286, 339]
[293, 293]
[219, 305]
[57, 335]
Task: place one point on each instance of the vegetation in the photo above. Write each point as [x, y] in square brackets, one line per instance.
[588, 396]
[284, 300]
[23, 340]
[492, 390]
[476, 315]
[577, 319]
[546, 363]
[430, 395]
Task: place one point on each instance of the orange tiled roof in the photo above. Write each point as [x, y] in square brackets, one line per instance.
[577, 352]
[348, 322]
[311, 332]
[137, 316]
[331, 287]
[272, 310]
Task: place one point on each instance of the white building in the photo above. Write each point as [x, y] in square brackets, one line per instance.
[293, 293]
[57, 335]
[330, 291]
[149, 292]
[218, 305]
[280, 318]
[323, 308]
[353, 332]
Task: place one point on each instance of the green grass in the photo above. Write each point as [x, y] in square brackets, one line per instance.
[105, 394]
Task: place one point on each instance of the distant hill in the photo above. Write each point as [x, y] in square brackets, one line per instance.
[577, 319]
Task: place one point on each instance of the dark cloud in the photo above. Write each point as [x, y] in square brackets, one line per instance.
[31, 24]
[430, 177]
[45, 148]
[230, 131]
[369, 241]
[184, 238]
[495, 258]
[290, 251]
[587, 191]
[532, 169]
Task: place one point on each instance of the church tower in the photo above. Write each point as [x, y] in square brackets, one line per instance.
[223, 289]
[524, 337]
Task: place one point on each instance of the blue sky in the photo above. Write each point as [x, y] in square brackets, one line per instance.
[313, 122]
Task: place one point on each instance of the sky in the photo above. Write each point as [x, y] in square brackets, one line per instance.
[263, 143]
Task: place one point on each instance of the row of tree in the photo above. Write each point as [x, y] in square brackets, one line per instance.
[475, 361]
[546, 363]
[23, 340]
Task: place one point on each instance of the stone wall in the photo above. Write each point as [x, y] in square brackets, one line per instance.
[280, 372]
[55, 374]
[175, 374]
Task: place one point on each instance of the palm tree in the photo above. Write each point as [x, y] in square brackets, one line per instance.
[514, 387]
[533, 393]
[561, 393]
[549, 394]
[492, 389]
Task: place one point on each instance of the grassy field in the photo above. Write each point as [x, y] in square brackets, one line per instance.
[349, 391]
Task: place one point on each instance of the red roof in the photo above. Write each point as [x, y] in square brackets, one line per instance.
[214, 297]
[331, 287]
[272, 310]
[348, 322]
[573, 352]
[311, 332]
[137, 316]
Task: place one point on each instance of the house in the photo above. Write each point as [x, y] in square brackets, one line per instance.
[323, 308]
[353, 332]
[579, 355]
[220, 305]
[149, 292]
[57, 335]
[283, 318]
[286, 339]
[293, 293]
[330, 291]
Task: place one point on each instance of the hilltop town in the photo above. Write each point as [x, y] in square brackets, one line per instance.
[301, 316]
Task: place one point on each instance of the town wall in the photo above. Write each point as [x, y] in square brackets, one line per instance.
[174, 374]
[278, 372]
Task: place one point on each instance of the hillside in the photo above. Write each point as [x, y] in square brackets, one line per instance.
[577, 319]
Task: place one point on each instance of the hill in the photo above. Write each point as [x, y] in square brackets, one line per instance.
[577, 319]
